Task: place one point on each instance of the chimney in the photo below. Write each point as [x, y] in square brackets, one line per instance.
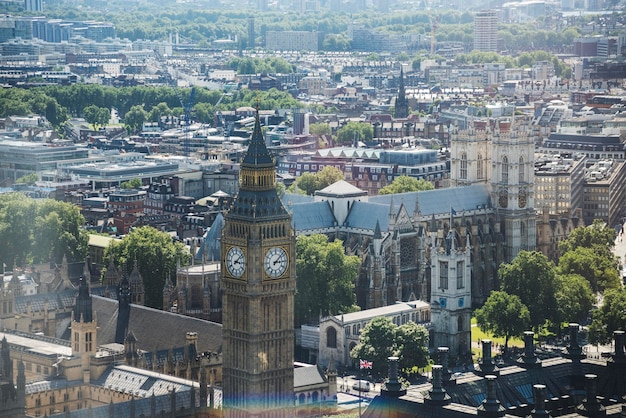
[486, 365]
[393, 387]
[437, 395]
[529, 360]
[591, 407]
[539, 394]
[619, 356]
[446, 376]
[491, 407]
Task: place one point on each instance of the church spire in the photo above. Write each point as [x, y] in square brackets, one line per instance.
[83, 311]
[401, 108]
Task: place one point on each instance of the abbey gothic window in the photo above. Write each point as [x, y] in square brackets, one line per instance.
[480, 167]
[463, 173]
[505, 170]
[521, 170]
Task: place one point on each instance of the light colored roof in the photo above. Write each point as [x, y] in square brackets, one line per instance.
[341, 188]
[43, 346]
[100, 240]
[368, 314]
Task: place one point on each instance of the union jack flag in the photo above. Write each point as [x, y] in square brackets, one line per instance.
[364, 364]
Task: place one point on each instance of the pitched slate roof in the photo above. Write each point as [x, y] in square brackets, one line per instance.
[171, 330]
[314, 215]
[440, 200]
[364, 215]
[307, 375]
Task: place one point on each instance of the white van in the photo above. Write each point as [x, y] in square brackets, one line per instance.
[361, 385]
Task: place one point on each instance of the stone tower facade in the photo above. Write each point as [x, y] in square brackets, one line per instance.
[84, 329]
[512, 188]
[451, 293]
[258, 285]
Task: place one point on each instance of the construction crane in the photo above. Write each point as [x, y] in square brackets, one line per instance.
[433, 28]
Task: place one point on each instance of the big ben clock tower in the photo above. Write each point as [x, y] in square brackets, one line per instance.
[258, 286]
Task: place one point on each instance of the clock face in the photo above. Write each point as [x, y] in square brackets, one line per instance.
[522, 199]
[276, 262]
[235, 261]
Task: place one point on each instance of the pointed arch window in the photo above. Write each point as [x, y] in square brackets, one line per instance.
[505, 170]
[480, 167]
[463, 173]
[522, 173]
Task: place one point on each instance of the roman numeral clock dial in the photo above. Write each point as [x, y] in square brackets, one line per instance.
[276, 262]
[235, 261]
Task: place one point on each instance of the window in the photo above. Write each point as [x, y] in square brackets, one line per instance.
[76, 342]
[443, 275]
[331, 337]
[480, 167]
[88, 342]
[505, 170]
[460, 282]
[463, 173]
[521, 170]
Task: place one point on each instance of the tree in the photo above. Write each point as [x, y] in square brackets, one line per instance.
[412, 344]
[40, 231]
[157, 255]
[97, 116]
[135, 118]
[598, 236]
[403, 184]
[309, 183]
[134, 183]
[327, 176]
[355, 131]
[532, 277]
[376, 344]
[381, 339]
[325, 279]
[574, 298]
[601, 272]
[28, 179]
[610, 317]
[503, 315]
[319, 129]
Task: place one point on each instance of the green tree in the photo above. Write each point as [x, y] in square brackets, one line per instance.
[134, 183]
[609, 317]
[92, 116]
[532, 277]
[601, 272]
[403, 184]
[31, 178]
[40, 231]
[376, 344]
[503, 315]
[325, 279]
[135, 118]
[355, 131]
[412, 346]
[157, 256]
[574, 298]
[327, 176]
[381, 339]
[319, 129]
[309, 183]
[597, 236]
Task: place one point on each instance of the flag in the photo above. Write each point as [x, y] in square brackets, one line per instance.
[452, 211]
[364, 364]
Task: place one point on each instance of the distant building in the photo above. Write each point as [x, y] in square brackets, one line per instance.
[292, 40]
[486, 31]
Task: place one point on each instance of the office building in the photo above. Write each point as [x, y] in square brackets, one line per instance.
[486, 31]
